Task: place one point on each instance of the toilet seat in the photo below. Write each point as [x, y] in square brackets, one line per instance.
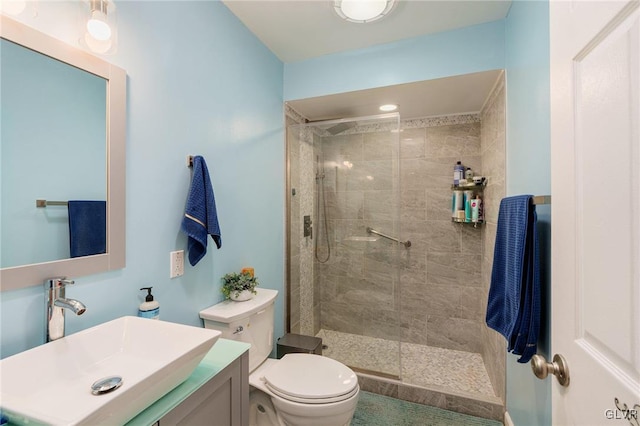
[311, 379]
[314, 400]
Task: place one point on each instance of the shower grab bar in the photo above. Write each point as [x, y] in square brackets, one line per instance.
[407, 243]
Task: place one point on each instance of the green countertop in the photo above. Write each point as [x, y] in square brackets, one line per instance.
[223, 353]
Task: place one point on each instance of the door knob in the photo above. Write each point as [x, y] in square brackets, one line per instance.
[559, 368]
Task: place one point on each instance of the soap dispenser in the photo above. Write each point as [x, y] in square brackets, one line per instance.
[150, 308]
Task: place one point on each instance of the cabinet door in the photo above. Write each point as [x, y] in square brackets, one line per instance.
[222, 401]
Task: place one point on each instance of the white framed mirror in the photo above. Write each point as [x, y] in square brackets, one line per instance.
[63, 137]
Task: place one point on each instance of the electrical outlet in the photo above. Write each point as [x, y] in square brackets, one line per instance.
[176, 263]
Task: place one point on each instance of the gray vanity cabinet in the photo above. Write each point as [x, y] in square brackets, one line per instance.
[222, 401]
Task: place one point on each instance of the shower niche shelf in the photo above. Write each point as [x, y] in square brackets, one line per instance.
[459, 213]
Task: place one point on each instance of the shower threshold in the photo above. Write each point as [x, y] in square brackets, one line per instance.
[371, 372]
[419, 365]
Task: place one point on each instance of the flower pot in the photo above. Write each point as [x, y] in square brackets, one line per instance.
[242, 296]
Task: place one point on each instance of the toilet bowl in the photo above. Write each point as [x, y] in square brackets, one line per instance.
[297, 390]
[307, 389]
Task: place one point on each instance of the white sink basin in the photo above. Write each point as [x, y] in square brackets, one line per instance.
[51, 384]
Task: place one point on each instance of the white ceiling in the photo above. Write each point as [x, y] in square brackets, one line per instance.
[295, 30]
[443, 96]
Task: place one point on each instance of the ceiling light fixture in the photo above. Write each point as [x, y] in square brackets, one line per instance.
[362, 11]
[388, 107]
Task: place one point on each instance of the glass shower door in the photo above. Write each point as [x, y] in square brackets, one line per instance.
[343, 278]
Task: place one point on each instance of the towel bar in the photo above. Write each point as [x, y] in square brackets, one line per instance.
[45, 203]
[541, 199]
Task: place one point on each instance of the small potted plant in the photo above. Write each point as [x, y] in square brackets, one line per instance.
[239, 286]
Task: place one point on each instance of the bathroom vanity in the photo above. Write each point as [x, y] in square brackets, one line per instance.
[217, 392]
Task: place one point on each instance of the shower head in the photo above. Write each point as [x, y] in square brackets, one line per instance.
[341, 127]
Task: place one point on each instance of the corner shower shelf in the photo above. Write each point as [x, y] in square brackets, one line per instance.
[477, 190]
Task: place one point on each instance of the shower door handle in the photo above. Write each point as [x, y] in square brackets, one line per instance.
[407, 243]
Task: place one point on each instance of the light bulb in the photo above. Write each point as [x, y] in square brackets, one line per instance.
[97, 26]
[362, 10]
[388, 107]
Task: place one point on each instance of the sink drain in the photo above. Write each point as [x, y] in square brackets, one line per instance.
[106, 385]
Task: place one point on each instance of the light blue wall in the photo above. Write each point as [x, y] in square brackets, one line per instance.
[71, 108]
[467, 50]
[528, 172]
[198, 83]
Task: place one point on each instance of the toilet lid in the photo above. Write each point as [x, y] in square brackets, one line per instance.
[338, 398]
[311, 377]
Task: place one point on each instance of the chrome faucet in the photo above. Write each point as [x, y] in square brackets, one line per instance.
[55, 305]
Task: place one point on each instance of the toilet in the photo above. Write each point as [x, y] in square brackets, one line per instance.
[297, 390]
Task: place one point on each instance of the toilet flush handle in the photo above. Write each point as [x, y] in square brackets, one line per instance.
[239, 329]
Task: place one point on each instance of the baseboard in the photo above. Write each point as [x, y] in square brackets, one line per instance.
[507, 419]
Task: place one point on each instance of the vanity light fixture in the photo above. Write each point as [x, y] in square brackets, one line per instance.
[13, 7]
[363, 11]
[97, 25]
[100, 26]
[388, 107]
[17, 7]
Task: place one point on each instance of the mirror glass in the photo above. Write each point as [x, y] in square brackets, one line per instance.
[62, 140]
[54, 144]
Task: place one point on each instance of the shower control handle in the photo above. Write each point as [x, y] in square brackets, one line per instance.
[307, 229]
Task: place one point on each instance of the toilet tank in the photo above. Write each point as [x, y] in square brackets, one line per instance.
[251, 321]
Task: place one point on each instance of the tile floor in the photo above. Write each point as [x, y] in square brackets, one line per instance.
[419, 365]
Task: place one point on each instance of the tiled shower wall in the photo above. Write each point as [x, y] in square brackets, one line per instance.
[440, 273]
[304, 292]
[438, 300]
[493, 140]
[300, 157]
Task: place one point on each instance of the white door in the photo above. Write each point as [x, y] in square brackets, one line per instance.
[595, 163]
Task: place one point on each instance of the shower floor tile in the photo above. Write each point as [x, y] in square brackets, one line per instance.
[421, 365]
[362, 352]
[457, 370]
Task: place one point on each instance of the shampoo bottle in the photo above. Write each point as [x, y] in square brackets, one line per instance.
[150, 308]
[468, 175]
[458, 173]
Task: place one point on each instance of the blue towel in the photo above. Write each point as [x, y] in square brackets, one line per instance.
[87, 227]
[513, 308]
[200, 217]
[526, 343]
